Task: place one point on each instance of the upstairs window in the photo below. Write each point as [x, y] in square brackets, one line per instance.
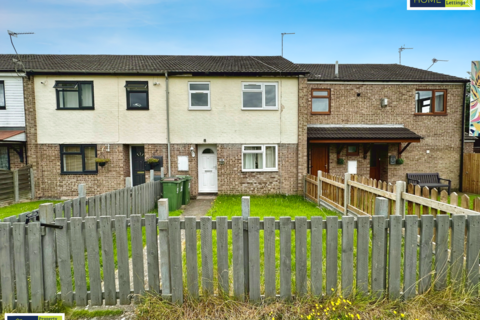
[259, 96]
[78, 159]
[2, 95]
[321, 101]
[259, 158]
[431, 102]
[4, 159]
[137, 95]
[199, 95]
[74, 95]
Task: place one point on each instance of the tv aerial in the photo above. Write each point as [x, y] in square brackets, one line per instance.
[400, 53]
[17, 61]
[435, 61]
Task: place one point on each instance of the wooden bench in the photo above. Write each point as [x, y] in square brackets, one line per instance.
[430, 180]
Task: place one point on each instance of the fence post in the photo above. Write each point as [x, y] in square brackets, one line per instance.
[245, 215]
[346, 199]
[399, 202]
[16, 191]
[381, 209]
[48, 247]
[164, 246]
[152, 174]
[304, 186]
[162, 172]
[128, 182]
[32, 184]
[82, 190]
[319, 187]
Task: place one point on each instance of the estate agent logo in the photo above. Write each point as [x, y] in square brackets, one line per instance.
[33, 316]
[440, 4]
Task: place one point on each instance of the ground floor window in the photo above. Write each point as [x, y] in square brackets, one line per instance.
[78, 159]
[259, 158]
[4, 160]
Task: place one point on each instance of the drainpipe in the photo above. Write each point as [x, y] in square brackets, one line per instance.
[463, 136]
[168, 124]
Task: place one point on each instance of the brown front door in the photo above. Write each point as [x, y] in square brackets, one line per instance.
[319, 158]
[379, 162]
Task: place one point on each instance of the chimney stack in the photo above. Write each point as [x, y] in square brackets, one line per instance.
[336, 69]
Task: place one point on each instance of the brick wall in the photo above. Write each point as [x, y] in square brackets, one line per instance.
[442, 134]
[15, 159]
[231, 179]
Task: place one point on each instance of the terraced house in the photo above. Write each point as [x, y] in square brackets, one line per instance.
[229, 122]
[361, 118]
[236, 124]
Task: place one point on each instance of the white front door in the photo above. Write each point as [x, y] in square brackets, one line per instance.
[207, 168]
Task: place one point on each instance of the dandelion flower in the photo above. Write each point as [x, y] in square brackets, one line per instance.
[402, 315]
[358, 316]
[394, 312]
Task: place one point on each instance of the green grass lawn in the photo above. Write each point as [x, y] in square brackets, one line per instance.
[264, 206]
[18, 208]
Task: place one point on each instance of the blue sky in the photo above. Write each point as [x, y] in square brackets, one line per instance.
[347, 31]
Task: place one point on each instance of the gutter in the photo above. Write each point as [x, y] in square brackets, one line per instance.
[463, 137]
[168, 124]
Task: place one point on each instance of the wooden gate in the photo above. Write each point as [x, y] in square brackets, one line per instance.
[471, 173]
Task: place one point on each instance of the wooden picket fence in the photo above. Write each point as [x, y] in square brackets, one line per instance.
[127, 201]
[361, 193]
[371, 265]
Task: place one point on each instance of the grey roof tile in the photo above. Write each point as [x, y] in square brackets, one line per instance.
[152, 64]
[374, 72]
[353, 133]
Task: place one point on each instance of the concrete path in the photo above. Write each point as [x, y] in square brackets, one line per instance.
[198, 207]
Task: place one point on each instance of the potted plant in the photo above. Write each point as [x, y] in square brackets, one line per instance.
[340, 161]
[101, 161]
[152, 162]
[400, 161]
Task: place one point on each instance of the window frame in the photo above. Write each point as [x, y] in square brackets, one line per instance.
[263, 151]
[434, 113]
[8, 157]
[204, 108]
[262, 90]
[357, 153]
[79, 90]
[82, 153]
[329, 97]
[4, 107]
[137, 91]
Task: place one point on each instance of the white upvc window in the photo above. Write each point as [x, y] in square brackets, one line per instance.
[259, 158]
[259, 96]
[199, 95]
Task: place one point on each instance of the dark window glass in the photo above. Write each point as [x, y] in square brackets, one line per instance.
[2, 95]
[4, 159]
[137, 95]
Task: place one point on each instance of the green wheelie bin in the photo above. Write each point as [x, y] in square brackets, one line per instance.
[172, 191]
[186, 189]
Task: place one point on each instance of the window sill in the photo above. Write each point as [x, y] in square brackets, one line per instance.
[135, 109]
[430, 114]
[199, 109]
[77, 173]
[259, 109]
[75, 109]
[320, 113]
[272, 170]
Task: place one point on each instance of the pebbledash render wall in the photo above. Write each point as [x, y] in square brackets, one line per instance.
[113, 128]
[442, 134]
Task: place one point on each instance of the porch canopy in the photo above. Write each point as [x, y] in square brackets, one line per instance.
[12, 136]
[326, 133]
